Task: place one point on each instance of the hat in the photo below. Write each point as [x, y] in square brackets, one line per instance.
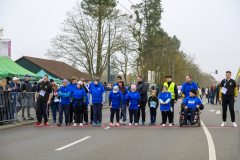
[169, 76]
[51, 80]
[80, 83]
[115, 89]
[15, 78]
[27, 75]
[194, 91]
[8, 79]
[96, 79]
[65, 80]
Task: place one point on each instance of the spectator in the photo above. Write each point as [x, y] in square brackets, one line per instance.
[9, 82]
[153, 103]
[200, 92]
[86, 102]
[129, 88]
[213, 93]
[55, 102]
[27, 97]
[34, 90]
[105, 86]
[119, 78]
[124, 91]
[72, 86]
[52, 82]
[203, 91]
[142, 90]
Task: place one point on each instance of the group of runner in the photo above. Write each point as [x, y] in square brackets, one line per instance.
[73, 99]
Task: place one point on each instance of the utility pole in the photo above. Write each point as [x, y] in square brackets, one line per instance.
[109, 55]
[173, 71]
[169, 65]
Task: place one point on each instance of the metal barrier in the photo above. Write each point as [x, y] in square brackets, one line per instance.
[106, 98]
[237, 103]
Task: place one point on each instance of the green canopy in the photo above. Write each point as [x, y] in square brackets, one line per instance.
[11, 69]
[42, 73]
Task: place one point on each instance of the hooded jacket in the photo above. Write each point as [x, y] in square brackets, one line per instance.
[142, 89]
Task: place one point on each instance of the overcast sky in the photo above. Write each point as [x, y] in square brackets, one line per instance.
[210, 29]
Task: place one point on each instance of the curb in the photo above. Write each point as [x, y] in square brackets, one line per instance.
[25, 123]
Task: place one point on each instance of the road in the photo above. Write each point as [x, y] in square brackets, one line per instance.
[141, 142]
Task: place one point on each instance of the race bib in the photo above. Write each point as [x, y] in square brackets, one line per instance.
[56, 99]
[224, 90]
[42, 93]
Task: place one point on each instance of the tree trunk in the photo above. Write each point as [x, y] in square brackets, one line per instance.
[99, 51]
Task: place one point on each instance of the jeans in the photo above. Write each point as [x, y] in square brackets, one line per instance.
[133, 112]
[113, 111]
[97, 112]
[124, 112]
[153, 114]
[65, 108]
[212, 99]
[54, 110]
[228, 100]
[189, 110]
[142, 109]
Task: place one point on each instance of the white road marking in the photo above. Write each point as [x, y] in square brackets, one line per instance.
[211, 147]
[71, 144]
[107, 127]
[218, 112]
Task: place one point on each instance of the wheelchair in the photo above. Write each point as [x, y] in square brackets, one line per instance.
[197, 119]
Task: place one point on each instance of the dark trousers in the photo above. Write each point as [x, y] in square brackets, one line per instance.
[42, 109]
[113, 111]
[172, 112]
[54, 110]
[142, 109]
[133, 112]
[86, 113]
[217, 99]
[153, 114]
[78, 114]
[91, 117]
[165, 115]
[71, 112]
[189, 110]
[212, 99]
[228, 100]
[97, 112]
[200, 97]
[65, 108]
[208, 97]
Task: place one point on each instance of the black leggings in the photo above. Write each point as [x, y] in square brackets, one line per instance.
[78, 114]
[135, 113]
[113, 111]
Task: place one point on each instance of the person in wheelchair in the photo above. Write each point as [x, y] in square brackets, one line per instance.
[190, 105]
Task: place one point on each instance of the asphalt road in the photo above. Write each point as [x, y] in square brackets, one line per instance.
[141, 142]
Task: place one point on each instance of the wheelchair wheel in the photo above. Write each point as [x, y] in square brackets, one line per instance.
[180, 122]
[199, 121]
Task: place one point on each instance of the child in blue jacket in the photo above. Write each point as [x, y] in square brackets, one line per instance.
[190, 105]
[165, 98]
[135, 99]
[115, 103]
[64, 103]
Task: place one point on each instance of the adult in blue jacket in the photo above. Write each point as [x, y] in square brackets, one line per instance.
[97, 99]
[64, 93]
[72, 86]
[115, 103]
[213, 93]
[186, 87]
[164, 99]
[135, 99]
[79, 99]
[190, 105]
[119, 78]
[124, 91]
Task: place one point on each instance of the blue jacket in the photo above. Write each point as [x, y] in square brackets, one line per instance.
[115, 99]
[125, 96]
[92, 85]
[187, 87]
[96, 92]
[192, 102]
[78, 94]
[72, 87]
[133, 98]
[164, 96]
[14, 85]
[65, 95]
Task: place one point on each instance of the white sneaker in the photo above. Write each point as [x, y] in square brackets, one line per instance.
[75, 125]
[129, 124]
[124, 122]
[170, 125]
[136, 124]
[234, 124]
[81, 124]
[120, 121]
[163, 125]
[223, 124]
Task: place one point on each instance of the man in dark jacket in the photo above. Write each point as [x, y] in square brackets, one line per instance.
[203, 91]
[142, 89]
[105, 86]
[27, 97]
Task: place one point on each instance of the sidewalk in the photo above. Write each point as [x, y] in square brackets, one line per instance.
[28, 122]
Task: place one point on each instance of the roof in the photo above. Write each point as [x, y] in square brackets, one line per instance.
[58, 68]
[9, 68]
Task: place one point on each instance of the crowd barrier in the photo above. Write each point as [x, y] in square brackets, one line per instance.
[237, 103]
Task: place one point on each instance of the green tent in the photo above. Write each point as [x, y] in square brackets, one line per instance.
[42, 73]
[11, 69]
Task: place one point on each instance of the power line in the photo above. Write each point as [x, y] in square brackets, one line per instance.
[130, 2]
[126, 9]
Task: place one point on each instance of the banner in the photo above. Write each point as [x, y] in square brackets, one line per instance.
[149, 77]
[5, 48]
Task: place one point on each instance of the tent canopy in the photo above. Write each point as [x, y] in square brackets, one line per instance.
[42, 73]
[11, 69]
